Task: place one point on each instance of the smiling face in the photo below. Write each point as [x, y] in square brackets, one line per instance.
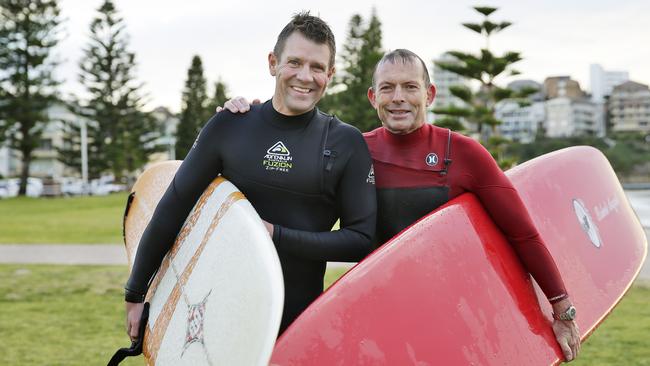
[302, 72]
[401, 96]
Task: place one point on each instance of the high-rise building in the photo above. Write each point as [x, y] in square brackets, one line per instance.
[602, 82]
[629, 107]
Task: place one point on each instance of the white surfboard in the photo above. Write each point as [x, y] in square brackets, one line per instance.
[218, 296]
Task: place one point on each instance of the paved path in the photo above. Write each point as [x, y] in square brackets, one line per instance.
[106, 254]
[114, 254]
[63, 254]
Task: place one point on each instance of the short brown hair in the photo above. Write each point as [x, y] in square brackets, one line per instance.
[402, 55]
[313, 28]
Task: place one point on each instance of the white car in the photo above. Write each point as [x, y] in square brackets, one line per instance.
[11, 186]
[105, 185]
[71, 186]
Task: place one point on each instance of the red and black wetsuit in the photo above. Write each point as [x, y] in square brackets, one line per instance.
[417, 172]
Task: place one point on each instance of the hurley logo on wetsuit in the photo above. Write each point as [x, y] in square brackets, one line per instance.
[278, 158]
[431, 159]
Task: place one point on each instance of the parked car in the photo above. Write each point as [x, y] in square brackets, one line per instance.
[4, 189]
[105, 185]
[12, 185]
[71, 186]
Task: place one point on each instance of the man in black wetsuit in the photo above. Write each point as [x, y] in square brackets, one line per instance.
[300, 168]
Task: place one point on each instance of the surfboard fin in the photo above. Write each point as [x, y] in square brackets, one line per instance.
[136, 346]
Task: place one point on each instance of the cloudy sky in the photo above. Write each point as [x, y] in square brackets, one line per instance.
[233, 38]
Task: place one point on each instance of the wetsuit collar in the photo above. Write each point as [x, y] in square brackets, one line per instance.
[283, 121]
[410, 139]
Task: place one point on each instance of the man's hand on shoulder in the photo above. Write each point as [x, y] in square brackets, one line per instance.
[238, 105]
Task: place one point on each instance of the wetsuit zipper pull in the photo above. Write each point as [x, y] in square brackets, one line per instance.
[330, 155]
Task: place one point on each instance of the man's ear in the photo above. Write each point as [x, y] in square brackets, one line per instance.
[273, 63]
[372, 97]
[431, 94]
[330, 74]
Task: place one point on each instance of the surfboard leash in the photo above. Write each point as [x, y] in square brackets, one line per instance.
[136, 346]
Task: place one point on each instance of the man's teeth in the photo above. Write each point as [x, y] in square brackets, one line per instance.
[398, 112]
[302, 90]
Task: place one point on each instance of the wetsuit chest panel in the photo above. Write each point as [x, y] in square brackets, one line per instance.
[284, 160]
[397, 208]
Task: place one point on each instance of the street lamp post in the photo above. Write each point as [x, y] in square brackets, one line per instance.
[84, 157]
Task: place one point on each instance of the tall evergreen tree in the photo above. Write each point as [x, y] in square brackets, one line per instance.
[28, 32]
[219, 97]
[361, 52]
[483, 67]
[120, 134]
[194, 109]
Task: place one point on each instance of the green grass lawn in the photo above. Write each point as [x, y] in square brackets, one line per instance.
[65, 315]
[73, 315]
[68, 220]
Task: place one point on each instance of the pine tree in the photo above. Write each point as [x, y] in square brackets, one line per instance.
[194, 109]
[121, 135]
[361, 52]
[28, 32]
[484, 67]
[219, 97]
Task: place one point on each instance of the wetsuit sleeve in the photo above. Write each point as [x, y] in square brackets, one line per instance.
[505, 207]
[357, 207]
[199, 168]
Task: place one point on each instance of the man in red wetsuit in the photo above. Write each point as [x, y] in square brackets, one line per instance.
[419, 166]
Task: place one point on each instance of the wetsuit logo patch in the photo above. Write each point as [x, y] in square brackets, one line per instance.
[278, 158]
[431, 159]
[278, 149]
[371, 175]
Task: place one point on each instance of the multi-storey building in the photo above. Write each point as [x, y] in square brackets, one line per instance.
[603, 82]
[519, 85]
[443, 80]
[46, 163]
[629, 107]
[562, 86]
[566, 117]
[519, 122]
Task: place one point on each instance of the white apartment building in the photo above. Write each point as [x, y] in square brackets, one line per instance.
[602, 82]
[519, 123]
[443, 80]
[566, 117]
[629, 107]
[45, 161]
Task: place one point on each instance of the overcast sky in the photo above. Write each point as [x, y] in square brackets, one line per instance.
[233, 38]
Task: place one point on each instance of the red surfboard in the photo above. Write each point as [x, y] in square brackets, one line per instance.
[449, 290]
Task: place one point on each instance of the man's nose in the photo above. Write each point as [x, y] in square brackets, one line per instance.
[398, 95]
[304, 74]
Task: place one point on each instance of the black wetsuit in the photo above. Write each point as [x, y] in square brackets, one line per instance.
[301, 173]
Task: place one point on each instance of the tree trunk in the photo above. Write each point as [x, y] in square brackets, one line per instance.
[24, 173]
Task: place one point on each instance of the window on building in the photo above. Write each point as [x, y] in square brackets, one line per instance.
[45, 144]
